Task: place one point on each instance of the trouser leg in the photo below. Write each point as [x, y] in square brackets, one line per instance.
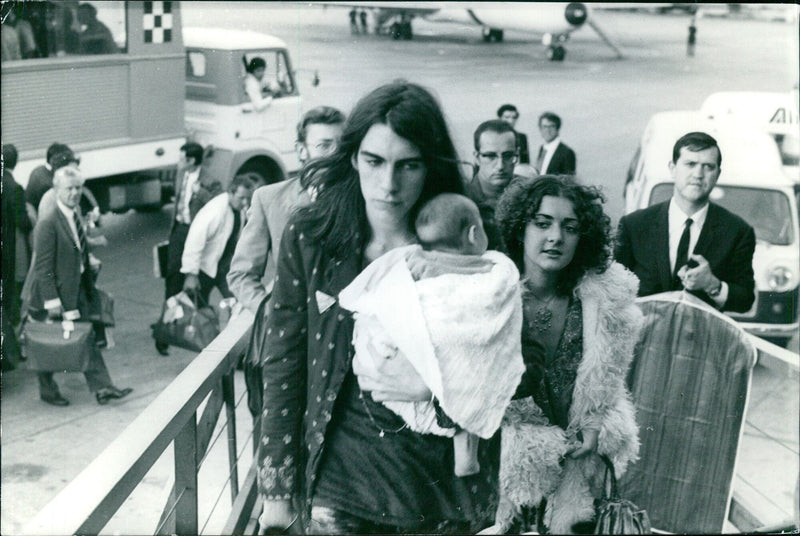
[97, 373]
[207, 284]
[173, 282]
[48, 388]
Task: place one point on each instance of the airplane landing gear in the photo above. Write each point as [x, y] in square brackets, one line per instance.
[490, 35]
[555, 53]
[402, 30]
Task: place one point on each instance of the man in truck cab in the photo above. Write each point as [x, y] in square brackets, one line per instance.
[191, 194]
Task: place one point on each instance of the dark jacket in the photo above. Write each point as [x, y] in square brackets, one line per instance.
[727, 242]
[562, 163]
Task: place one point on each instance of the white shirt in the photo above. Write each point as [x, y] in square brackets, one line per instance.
[208, 235]
[69, 213]
[189, 183]
[549, 150]
[676, 223]
[253, 87]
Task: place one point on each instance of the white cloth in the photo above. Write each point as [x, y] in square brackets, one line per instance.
[549, 151]
[460, 333]
[208, 234]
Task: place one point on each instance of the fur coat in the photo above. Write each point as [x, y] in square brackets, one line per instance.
[532, 448]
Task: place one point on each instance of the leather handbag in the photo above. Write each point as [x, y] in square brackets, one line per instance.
[102, 308]
[186, 325]
[615, 515]
[64, 346]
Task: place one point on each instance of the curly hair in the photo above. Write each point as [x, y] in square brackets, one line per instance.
[518, 206]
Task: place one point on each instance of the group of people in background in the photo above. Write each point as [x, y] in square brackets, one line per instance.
[47, 29]
[360, 397]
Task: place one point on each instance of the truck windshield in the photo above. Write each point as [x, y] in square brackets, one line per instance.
[767, 211]
[63, 29]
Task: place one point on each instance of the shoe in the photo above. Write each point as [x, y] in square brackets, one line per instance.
[109, 393]
[55, 400]
[162, 348]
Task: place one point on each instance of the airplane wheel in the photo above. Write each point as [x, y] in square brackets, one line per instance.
[487, 35]
[395, 29]
[497, 35]
[405, 30]
[560, 52]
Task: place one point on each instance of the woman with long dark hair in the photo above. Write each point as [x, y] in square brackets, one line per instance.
[580, 327]
[330, 453]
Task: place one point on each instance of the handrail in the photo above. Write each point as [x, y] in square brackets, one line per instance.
[111, 477]
[107, 482]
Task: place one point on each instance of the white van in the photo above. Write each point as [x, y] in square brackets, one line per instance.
[752, 185]
[775, 113]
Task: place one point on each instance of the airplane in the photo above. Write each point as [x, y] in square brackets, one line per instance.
[556, 21]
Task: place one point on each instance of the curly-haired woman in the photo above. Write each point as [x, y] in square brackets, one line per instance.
[581, 324]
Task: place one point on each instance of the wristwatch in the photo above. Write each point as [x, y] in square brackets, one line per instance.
[714, 292]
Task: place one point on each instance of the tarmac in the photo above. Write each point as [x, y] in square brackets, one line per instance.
[605, 104]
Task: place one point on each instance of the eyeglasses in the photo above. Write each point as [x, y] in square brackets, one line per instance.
[505, 157]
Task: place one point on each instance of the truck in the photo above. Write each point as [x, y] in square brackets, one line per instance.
[128, 107]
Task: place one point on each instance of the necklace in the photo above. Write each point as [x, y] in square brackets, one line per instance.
[542, 319]
[382, 432]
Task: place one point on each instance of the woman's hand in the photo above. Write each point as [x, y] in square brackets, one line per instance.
[277, 514]
[589, 444]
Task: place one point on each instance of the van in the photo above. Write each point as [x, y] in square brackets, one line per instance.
[752, 185]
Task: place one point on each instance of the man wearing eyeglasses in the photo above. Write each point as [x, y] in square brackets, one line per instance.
[496, 154]
[555, 158]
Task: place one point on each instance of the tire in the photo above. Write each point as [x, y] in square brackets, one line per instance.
[396, 32]
[560, 52]
[550, 53]
[497, 35]
[487, 35]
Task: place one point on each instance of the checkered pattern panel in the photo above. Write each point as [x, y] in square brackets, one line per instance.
[157, 22]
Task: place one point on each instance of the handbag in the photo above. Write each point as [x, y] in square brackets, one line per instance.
[102, 308]
[64, 346]
[186, 325]
[615, 515]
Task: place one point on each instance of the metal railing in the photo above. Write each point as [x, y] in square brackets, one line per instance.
[172, 419]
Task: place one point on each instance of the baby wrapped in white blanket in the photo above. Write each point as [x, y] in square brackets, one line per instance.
[450, 313]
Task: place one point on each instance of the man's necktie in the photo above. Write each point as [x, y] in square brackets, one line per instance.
[683, 254]
[540, 160]
[81, 238]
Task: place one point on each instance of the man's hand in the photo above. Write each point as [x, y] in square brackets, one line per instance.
[191, 283]
[589, 444]
[277, 514]
[700, 277]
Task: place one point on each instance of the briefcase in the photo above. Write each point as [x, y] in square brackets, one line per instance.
[64, 346]
[160, 257]
[186, 325]
[102, 308]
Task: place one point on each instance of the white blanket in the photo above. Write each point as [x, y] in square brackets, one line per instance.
[460, 333]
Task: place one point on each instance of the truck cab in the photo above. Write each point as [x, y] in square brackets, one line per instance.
[219, 115]
[752, 185]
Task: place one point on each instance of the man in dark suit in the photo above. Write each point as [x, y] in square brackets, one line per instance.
[192, 192]
[509, 114]
[688, 242]
[61, 281]
[555, 158]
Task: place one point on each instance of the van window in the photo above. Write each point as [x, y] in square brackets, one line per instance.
[767, 211]
[195, 64]
[59, 29]
[278, 80]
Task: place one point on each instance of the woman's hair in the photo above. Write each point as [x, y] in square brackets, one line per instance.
[337, 218]
[521, 201]
[255, 63]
